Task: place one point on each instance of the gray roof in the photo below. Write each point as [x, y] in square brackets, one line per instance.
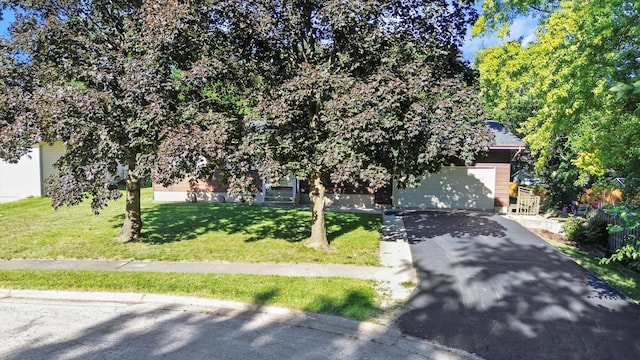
[504, 139]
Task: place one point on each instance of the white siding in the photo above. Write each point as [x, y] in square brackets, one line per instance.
[50, 154]
[26, 178]
[21, 180]
[455, 187]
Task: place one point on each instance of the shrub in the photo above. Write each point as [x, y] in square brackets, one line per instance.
[573, 229]
[595, 232]
[629, 254]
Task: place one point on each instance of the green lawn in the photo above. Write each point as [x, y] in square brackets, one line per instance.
[623, 279]
[31, 229]
[351, 298]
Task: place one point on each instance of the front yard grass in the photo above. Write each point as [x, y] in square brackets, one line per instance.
[351, 298]
[31, 229]
[624, 280]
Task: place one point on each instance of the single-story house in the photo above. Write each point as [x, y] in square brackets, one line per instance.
[209, 190]
[483, 185]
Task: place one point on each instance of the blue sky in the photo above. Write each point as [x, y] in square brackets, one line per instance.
[7, 18]
[521, 28]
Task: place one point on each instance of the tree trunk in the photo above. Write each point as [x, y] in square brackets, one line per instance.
[318, 238]
[132, 226]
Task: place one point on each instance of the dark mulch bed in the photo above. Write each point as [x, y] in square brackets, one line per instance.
[593, 249]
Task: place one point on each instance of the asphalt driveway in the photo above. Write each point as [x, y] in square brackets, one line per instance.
[490, 287]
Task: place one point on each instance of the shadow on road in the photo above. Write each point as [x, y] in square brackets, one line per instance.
[431, 224]
[489, 287]
[151, 331]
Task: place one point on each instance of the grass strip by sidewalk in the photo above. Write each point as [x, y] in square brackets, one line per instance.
[624, 280]
[31, 229]
[350, 298]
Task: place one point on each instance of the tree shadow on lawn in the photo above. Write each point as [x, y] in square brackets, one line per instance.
[165, 223]
[355, 304]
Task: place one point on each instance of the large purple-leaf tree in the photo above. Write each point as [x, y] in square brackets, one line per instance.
[118, 82]
[366, 91]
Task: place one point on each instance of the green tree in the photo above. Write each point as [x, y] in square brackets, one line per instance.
[576, 128]
[497, 15]
[117, 82]
[505, 91]
[365, 91]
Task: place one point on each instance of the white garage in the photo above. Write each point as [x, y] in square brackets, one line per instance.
[454, 187]
[26, 178]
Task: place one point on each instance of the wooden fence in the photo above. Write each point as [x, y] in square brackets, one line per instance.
[619, 238]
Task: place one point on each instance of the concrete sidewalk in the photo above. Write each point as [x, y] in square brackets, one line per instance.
[283, 269]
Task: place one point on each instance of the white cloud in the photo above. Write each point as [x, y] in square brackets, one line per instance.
[524, 29]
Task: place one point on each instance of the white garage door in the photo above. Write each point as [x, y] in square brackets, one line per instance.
[456, 187]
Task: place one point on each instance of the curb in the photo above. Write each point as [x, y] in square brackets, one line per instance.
[387, 335]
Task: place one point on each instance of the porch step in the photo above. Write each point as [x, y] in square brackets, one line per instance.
[278, 199]
[280, 196]
[279, 204]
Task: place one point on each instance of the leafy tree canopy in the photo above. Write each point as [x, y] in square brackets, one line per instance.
[571, 92]
[354, 90]
[497, 15]
[365, 91]
[117, 81]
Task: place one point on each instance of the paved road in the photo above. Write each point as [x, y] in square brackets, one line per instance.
[61, 329]
[490, 287]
